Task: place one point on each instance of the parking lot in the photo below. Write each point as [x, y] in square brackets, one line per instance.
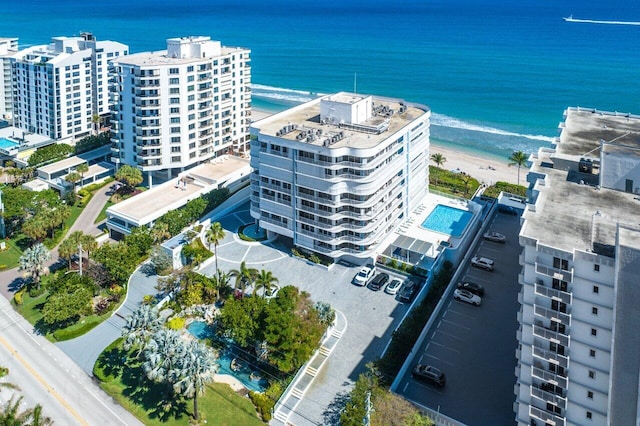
[475, 345]
[371, 316]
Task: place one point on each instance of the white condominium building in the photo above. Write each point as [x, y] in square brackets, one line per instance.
[182, 106]
[579, 340]
[339, 173]
[8, 46]
[58, 88]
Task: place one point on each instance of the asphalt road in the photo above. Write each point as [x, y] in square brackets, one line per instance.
[475, 346]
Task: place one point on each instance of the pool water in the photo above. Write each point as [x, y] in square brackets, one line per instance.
[202, 330]
[7, 144]
[447, 220]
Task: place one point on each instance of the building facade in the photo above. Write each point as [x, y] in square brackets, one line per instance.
[578, 353]
[8, 47]
[339, 173]
[182, 106]
[60, 87]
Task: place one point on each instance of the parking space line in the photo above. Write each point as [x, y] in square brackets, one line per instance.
[456, 324]
[420, 360]
[446, 347]
[450, 335]
[475, 278]
[431, 388]
[460, 313]
[486, 247]
[439, 360]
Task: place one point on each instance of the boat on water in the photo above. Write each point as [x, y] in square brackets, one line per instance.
[568, 18]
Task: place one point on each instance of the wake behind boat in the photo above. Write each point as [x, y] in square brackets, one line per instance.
[570, 18]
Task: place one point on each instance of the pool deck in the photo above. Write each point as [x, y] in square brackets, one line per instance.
[235, 384]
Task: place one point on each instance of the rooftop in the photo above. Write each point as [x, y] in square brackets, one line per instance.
[389, 116]
[572, 211]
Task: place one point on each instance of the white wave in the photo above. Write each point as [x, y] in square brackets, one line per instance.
[445, 121]
[594, 21]
[283, 94]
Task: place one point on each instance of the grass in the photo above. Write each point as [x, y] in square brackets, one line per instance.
[103, 213]
[121, 376]
[457, 184]
[495, 190]
[9, 258]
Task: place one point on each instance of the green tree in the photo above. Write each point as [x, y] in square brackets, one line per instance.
[96, 120]
[215, 234]
[63, 307]
[129, 175]
[66, 250]
[518, 158]
[439, 159]
[244, 276]
[140, 241]
[243, 319]
[33, 262]
[163, 353]
[265, 281]
[12, 415]
[35, 228]
[160, 232]
[118, 259]
[195, 370]
[82, 169]
[140, 326]
[73, 178]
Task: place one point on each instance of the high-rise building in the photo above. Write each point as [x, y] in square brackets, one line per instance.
[338, 173]
[59, 89]
[182, 106]
[579, 345]
[8, 47]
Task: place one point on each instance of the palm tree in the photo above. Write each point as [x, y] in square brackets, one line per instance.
[518, 158]
[160, 232]
[96, 120]
[37, 419]
[439, 159]
[82, 169]
[215, 234]
[163, 353]
[11, 415]
[140, 326]
[73, 178]
[33, 262]
[266, 281]
[196, 369]
[244, 276]
[214, 285]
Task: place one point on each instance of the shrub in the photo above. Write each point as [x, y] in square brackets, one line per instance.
[35, 291]
[176, 323]
[314, 258]
[263, 404]
[296, 253]
[3, 267]
[18, 297]
[495, 190]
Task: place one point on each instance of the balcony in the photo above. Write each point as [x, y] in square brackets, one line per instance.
[550, 356]
[548, 376]
[554, 272]
[553, 315]
[550, 335]
[550, 397]
[545, 417]
[551, 293]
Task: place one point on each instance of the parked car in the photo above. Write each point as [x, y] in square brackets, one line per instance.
[393, 286]
[494, 236]
[428, 373]
[482, 263]
[379, 281]
[364, 276]
[474, 288]
[408, 291]
[466, 296]
[508, 210]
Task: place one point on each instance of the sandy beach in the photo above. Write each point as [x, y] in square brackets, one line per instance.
[476, 166]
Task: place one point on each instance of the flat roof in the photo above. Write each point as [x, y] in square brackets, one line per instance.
[569, 215]
[62, 165]
[160, 57]
[149, 205]
[307, 117]
[16, 134]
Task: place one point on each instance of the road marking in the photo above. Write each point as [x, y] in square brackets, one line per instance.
[450, 335]
[405, 387]
[446, 347]
[420, 360]
[431, 388]
[485, 248]
[39, 378]
[460, 313]
[441, 360]
[439, 324]
[456, 324]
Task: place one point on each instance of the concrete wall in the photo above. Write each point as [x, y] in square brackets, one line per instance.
[617, 168]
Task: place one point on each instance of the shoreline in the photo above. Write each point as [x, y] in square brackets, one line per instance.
[486, 168]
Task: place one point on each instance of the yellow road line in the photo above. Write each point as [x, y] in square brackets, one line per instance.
[39, 378]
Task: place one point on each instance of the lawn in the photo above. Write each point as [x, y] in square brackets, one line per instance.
[103, 213]
[9, 258]
[457, 184]
[126, 383]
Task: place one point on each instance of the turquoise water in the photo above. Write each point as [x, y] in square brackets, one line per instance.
[447, 220]
[201, 330]
[497, 74]
[7, 144]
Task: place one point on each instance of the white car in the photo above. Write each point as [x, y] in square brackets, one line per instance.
[494, 236]
[364, 276]
[467, 296]
[393, 286]
[482, 263]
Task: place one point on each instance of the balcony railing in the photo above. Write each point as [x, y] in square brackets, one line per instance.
[552, 293]
[551, 335]
[553, 315]
[546, 417]
[549, 376]
[554, 272]
[549, 397]
[550, 356]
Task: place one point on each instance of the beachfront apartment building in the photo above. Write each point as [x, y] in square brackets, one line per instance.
[8, 46]
[58, 88]
[337, 174]
[579, 346]
[182, 106]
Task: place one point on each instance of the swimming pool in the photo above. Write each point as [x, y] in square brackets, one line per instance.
[7, 144]
[244, 370]
[447, 220]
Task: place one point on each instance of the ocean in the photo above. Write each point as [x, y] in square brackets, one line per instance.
[497, 74]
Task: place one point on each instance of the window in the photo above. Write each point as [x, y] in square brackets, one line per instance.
[561, 263]
[596, 267]
[592, 374]
[174, 81]
[174, 110]
[596, 289]
[589, 394]
[174, 71]
[589, 415]
[594, 310]
[592, 353]
[175, 119]
[594, 332]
